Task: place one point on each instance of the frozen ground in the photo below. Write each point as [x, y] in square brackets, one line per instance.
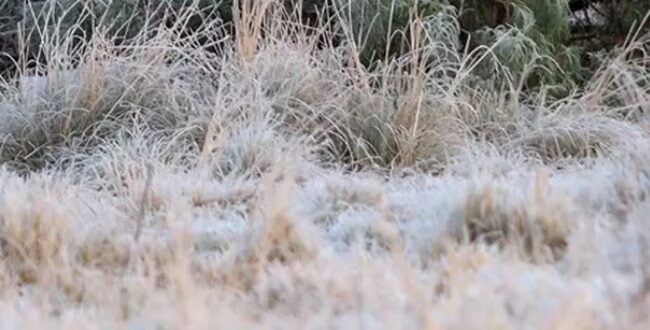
[159, 187]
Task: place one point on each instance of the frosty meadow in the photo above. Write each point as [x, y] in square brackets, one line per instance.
[268, 167]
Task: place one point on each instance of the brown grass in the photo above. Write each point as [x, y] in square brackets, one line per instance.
[282, 185]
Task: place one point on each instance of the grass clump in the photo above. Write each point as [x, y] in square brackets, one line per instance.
[539, 230]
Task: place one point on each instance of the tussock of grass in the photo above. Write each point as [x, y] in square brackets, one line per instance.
[278, 182]
[538, 229]
[278, 239]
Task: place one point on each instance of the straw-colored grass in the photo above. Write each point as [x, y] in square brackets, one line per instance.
[281, 184]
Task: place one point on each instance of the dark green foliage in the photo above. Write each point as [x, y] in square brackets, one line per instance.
[25, 23]
[10, 15]
[376, 30]
[546, 38]
[533, 39]
[528, 37]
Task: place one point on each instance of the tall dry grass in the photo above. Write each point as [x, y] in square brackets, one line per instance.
[279, 183]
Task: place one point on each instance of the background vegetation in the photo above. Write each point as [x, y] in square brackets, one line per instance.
[551, 31]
